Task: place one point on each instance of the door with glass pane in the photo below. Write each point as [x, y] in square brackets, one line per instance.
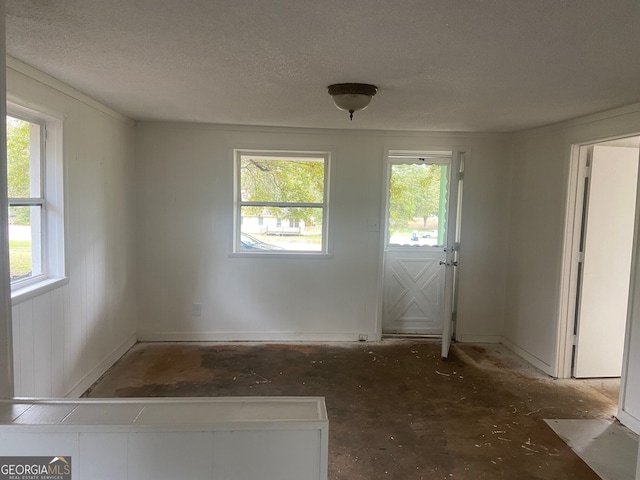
[417, 254]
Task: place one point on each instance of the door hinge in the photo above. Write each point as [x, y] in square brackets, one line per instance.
[460, 175]
[587, 171]
[574, 340]
[580, 257]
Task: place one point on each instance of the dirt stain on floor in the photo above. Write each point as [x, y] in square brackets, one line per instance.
[396, 409]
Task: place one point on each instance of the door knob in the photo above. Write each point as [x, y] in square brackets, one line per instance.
[449, 264]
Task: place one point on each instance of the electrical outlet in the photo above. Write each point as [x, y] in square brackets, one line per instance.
[363, 338]
[196, 310]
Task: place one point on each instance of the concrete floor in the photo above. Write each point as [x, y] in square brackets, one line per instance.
[396, 410]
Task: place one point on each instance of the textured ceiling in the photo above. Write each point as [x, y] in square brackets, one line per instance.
[461, 65]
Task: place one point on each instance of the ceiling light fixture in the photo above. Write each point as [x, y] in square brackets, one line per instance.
[352, 97]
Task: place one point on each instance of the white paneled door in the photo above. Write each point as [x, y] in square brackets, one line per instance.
[414, 291]
[606, 261]
[420, 241]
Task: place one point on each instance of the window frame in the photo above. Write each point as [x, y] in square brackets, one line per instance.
[51, 201]
[400, 157]
[34, 201]
[326, 246]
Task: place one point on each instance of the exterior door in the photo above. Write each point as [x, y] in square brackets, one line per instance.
[419, 252]
[414, 291]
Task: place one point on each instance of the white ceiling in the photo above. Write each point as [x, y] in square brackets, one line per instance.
[461, 65]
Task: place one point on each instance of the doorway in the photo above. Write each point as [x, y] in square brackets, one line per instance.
[420, 243]
[600, 229]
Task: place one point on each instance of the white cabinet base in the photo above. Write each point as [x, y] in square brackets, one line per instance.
[236, 438]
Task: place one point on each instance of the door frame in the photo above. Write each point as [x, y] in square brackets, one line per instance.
[459, 160]
[576, 204]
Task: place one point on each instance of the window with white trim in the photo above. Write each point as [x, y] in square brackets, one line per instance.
[36, 201]
[281, 203]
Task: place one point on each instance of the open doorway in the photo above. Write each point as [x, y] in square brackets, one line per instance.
[598, 249]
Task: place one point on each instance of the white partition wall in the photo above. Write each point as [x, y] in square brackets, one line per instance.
[266, 438]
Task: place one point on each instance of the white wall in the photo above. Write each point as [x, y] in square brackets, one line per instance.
[66, 338]
[185, 213]
[539, 187]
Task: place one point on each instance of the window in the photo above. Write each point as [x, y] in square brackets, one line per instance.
[418, 200]
[281, 202]
[34, 188]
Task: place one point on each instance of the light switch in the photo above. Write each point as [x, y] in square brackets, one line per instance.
[196, 310]
[373, 224]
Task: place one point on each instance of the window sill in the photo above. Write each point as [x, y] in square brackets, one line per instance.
[28, 292]
[281, 255]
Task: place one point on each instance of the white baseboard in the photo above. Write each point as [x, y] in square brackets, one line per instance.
[102, 367]
[533, 360]
[151, 336]
[478, 338]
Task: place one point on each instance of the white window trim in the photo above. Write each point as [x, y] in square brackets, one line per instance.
[327, 244]
[53, 241]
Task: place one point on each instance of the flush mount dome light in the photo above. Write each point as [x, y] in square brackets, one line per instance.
[352, 97]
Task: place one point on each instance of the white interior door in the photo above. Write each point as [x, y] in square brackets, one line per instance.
[607, 247]
[419, 241]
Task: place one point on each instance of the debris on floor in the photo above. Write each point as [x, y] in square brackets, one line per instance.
[394, 406]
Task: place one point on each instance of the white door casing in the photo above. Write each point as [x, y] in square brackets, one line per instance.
[629, 400]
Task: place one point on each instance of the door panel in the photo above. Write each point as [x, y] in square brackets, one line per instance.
[414, 290]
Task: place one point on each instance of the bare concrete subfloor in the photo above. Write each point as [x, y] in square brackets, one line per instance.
[396, 410]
